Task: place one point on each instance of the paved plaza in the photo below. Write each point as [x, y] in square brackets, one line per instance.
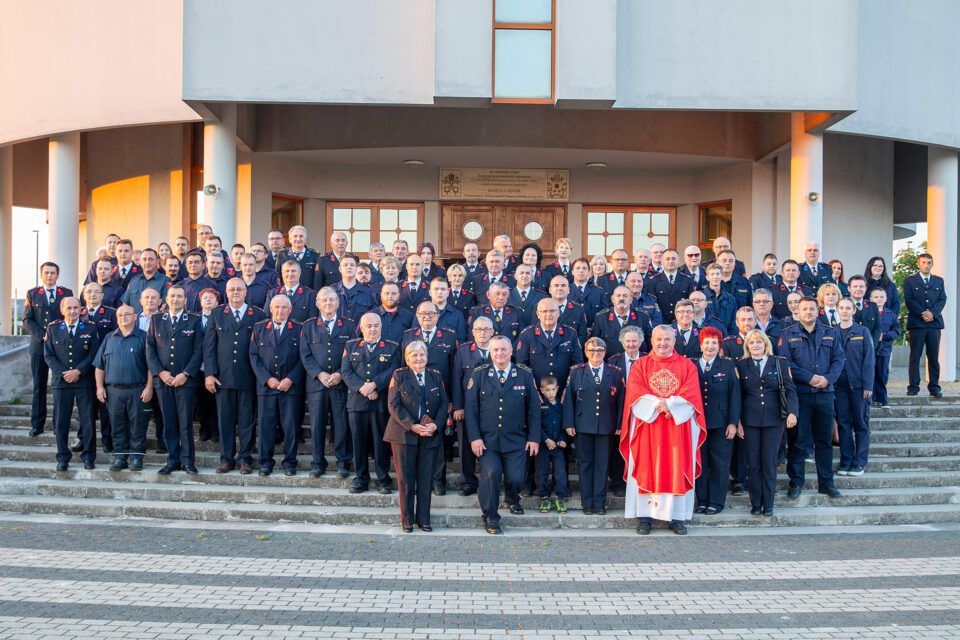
[64, 577]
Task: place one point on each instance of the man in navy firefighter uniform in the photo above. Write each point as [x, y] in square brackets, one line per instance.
[502, 414]
[174, 355]
[69, 348]
[275, 359]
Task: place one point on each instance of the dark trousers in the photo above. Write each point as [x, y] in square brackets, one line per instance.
[881, 374]
[63, 403]
[100, 412]
[814, 429]
[440, 464]
[329, 406]
[715, 456]
[762, 445]
[511, 466]
[736, 462]
[593, 456]
[206, 413]
[414, 465]
[920, 340]
[555, 461]
[367, 427]
[236, 411]
[615, 466]
[127, 418]
[283, 410]
[176, 405]
[853, 426]
[41, 374]
[468, 461]
[153, 410]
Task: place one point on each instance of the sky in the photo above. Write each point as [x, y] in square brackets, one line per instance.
[25, 247]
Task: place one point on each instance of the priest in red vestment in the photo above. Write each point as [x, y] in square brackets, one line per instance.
[663, 428]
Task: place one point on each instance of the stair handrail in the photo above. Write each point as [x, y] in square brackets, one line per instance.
[14, 351]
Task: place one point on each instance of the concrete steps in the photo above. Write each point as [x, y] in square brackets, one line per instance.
[913, 478]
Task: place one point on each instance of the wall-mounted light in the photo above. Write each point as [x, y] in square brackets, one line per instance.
[814, 198]
[413, 163]
[211, 190]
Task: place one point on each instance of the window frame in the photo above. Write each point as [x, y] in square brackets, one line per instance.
[707, 243]
[375, 208]
[628, 211]
[286, 198]
[545, 26]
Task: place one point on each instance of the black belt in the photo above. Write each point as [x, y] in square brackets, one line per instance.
[126, 386]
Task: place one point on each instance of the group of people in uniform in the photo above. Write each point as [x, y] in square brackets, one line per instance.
[518, 366]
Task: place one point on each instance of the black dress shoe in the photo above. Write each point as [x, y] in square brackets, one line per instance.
[737, 490]
[620, 493]
[191, 470]
[516, 509]
[168, 469]
[384, 490]
[831, 492]
[316, 473]
[587, 511]
[62, 466]
[108, 449]
[755, 511]
[467, 491]
[264, 472]
[793, 492]
[678, 528]
[700, 509]
[289, 471]
[35, 432]
[937, 394]
[912, 393]
[136, 464]
[161, 448]
[76, 448]
[358, 489]
[426, 528]
[643, 528]
[89, 466]
[439, 489]
[712, 511]
[407, 529]
[118, 465]
[767, 513]
[343, 473]
[493, 529]
[204, 438]
[600, 512]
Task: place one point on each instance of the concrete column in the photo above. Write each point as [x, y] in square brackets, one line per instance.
[806, 176]
[220, 169]
[942, 193]
[6, 240]
[63, 206]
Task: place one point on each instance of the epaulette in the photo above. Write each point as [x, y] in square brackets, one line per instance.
[261, 322]
[393, 342]
[613, 366]
[523, 367]
[349, 342]
[578, 366]
[191, 313]
[482, 367]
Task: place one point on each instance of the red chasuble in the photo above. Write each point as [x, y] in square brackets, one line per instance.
[661, 449]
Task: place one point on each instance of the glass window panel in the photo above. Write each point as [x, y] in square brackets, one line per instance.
[641, 241]
[615, 222]
[641, 223]
[660, 223]
[524, 11]
[523, 63]
[411, 238]
[595, 245]
[388, 219]
[387, 238]
[360, 241]
[408, 219]
[595, 222]
[614, 242]
[341, 218]
[361, 218]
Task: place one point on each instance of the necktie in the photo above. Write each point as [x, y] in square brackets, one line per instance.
[279, 329]
[833, 317]
[329, 324]
[420, 379]
[670, 277]
[370, 348]
[173, 320]
[72, 329]
[236, 314]
[564, 268]
[549, 335]
[299, 255]
[483, 354]
[926, 281]
[523, 296]
[289, 292]
[496, 317]
[791, 289]
[456, 296]
[502, 376]
[707, 365]
[123, 272]
[859, 306]
[620, 280]
[596, 374]
[50, 296]
[686, 336]
[759, 364]
[583, 290]
[426, 337]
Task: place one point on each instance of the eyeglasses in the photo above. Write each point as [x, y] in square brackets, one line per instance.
[693, 255]
[426, 314]
[483, 329]
[762, 301]
[596, 350]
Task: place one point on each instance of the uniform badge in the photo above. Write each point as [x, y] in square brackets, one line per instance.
[470, 384]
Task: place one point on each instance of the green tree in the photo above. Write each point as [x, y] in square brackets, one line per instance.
[904, 265]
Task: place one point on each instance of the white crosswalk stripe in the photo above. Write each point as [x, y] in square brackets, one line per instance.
[491, 572]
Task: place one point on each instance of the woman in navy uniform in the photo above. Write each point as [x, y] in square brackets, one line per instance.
[761, 375]
[836, 277]
[853, 390]
[460, 298]
[417, 402]
[877, 276]
[592, 410]
[720, 388]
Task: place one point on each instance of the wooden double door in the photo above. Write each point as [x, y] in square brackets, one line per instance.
[481, 223]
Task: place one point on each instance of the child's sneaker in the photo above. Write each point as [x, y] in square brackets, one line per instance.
[545, 505]
[560, 505]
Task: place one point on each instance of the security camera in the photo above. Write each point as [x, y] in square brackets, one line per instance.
[814, 197]
[211, 190]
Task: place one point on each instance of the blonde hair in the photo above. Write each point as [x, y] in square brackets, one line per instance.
[757, 333]
[565, 241]
[824, 288]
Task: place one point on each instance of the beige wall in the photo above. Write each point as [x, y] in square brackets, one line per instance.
[94, 64]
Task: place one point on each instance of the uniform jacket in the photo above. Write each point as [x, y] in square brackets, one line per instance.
[648, 304]
[869, 319]
[63, 353]
[326, 271]
[508, 325]
[175, 349]
[593, 408]
[739, 288]
[39, 312]
[720, 389]
[724, 308]
[574, 316]
[760, 280]
[780, 294]
[690, 348]
[506, 416]
[859, 358]
[104, 319]
[889, 332]
[462, 300]
[528, 307]
[132, 271]
[192, 289]
[481, 283]
[360, 365]
[920, 297]
[113, 295]
[454, 321]
[668, 295]
[226, 346]
[263, 282]
[549, 356]
[760, 406]
[818, 353]
[355, 301]
[467, 358]
[774, 328]
[592, 298]
[811, 278]
[556, 269]
[393, 324]
[410, 297]
[440, 351]
[410, 404]
[893, 296]
[308, 264]
[606, 326]
[276, 357]
[304, 301]
[322, 351]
